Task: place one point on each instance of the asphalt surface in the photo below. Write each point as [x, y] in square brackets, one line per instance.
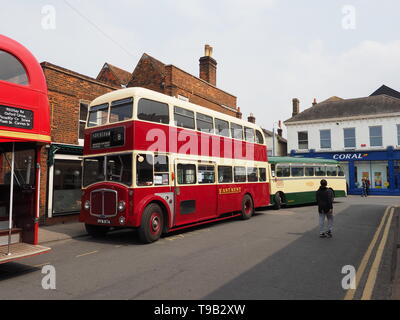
[274, 255]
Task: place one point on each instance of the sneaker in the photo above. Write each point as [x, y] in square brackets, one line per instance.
[322, 235]
[329, 234]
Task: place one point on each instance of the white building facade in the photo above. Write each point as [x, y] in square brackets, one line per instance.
[364, 134]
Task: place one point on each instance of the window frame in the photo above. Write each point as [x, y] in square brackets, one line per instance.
[185, 116]
[246, 129]
[346, 139]
[233, 130]
[202, 120]
[321, 140]
[299, 142]
[231, 177]
[375, 137]
[158, 102]
[216, 130]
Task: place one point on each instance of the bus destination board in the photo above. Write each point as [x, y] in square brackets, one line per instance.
[16, 117]
[114, 137]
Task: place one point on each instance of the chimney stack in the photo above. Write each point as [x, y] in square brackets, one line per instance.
[251, 118]
[208, 66]
[296, 107]
[280, 128]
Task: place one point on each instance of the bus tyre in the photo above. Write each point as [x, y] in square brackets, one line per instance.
[247, 207]
[96, 231]
[277, 201]
[152, 224]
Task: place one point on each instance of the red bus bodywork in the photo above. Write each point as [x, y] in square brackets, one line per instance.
[213, 201]
[31, 99]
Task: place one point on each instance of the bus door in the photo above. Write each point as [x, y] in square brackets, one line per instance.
[207, 191]
[24, 195]
[187, 195]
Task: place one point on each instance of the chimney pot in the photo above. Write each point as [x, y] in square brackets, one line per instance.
[314, 102]
[251, 118]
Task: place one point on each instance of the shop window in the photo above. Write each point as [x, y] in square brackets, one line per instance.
[184, 118]
[349, 137]
[375, 136]
[12, 70]
[205, 174]
[121, 110]
[325, 139]
[153, 111]
[302, 137]
[225, 174]
[67, 180]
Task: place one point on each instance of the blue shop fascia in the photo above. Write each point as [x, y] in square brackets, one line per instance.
[381, 167]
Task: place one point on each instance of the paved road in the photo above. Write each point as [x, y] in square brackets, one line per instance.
[274, 255]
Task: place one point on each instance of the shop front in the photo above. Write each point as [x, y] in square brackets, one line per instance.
[381, 168]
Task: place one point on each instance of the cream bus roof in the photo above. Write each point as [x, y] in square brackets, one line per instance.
[153, 95]
[275, 160]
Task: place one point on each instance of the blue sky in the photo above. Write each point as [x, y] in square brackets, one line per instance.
[268, 51]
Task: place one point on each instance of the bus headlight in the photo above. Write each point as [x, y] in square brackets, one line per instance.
[87, 205]
[121, 206]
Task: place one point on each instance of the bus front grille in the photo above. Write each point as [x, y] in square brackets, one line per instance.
[103, 203]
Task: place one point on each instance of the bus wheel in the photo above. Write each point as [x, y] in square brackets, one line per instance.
[96, 231]
[247, 207]
[152, 224]
[277, 201]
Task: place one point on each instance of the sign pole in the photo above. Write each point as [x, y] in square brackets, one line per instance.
[11, 199]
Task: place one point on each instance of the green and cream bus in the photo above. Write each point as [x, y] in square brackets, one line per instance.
[295, 180]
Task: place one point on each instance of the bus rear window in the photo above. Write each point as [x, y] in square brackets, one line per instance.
[121, 110]
[98, 115]
[153, 111]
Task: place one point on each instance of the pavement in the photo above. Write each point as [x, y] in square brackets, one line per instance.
[58, 232]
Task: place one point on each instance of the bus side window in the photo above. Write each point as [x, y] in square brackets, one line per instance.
[320, 171]
[153, 111]
[340, 171]
[161, 170]
[225, 174]
[309, 171]
[240, 174]
[144, 170]
[262, 174]
[283, 171]
[331, 171]
[186, 173]
[206, 174]
[297, 171]
[273, 173]
[252, 174]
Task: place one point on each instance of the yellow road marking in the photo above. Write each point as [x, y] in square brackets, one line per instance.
[369, 286]
[86, 254]
[351, 292]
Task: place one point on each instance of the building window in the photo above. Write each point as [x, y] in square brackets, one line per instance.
[398, 134]
[325, 139]
[349, 137]
[303, 140]
[67, 186]
[83, 109]
[375, 136]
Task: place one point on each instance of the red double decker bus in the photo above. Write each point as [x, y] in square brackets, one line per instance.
[159, 164]
[24, 130]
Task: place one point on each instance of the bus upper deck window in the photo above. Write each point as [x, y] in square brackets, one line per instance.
[259, 137]
[98, 115]
[153, 111]
[249, 134]
[12, 70]
[121, 110]
[222, 127]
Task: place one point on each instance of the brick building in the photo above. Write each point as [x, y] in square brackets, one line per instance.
[70, 94]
